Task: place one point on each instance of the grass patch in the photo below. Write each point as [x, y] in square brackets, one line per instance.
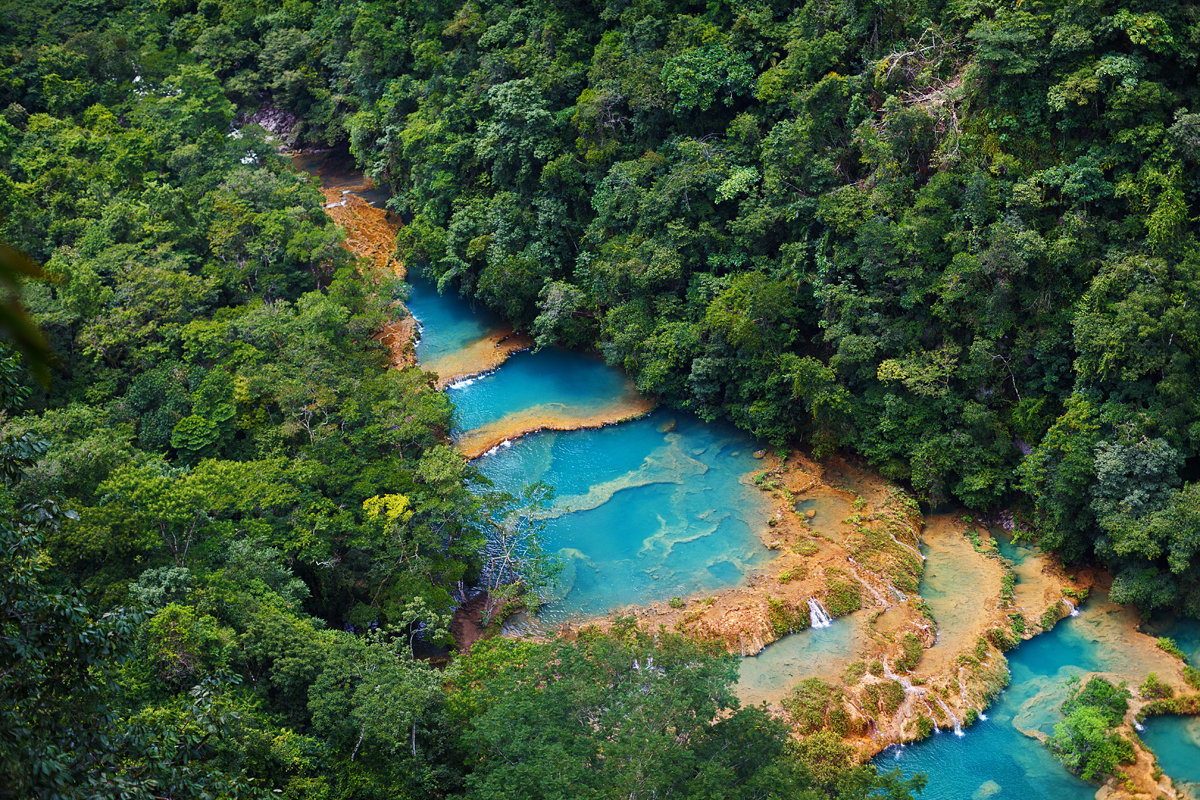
[815, 705]
[785, 618]
[1008, 584]
[910, 651]
[806, 547]
[853, 672]
[843, 594]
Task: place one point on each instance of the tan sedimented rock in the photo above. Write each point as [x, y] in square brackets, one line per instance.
[550, 417]
[370, 234]
[862, 528]
[483, 355]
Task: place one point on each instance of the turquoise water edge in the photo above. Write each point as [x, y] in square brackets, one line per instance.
[644, 511]
[663, 507]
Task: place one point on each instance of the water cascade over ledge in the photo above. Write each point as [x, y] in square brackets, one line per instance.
[818, 616]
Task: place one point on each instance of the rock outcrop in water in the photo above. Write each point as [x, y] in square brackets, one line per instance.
[477, 442]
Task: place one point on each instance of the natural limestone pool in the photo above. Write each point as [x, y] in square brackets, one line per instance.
[448, 323]
[661, 507]
[656, 507]
[999, 757]
[770, 676]
[1176, 743]
[651, 509]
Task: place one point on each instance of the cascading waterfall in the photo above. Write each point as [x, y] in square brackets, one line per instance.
[1073, 609]
[914, 550]
[817, 615]
[929, 708]
[958, 731]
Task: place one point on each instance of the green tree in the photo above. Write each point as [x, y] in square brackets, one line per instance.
[1084, 742]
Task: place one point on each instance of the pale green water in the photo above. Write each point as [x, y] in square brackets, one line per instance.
[953, 577]
[824, 653]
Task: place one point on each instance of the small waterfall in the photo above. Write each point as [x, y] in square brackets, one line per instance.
[929, 708]
[958, 731]
[914, 550]
[1074, 611]
[817, 615]
[869, 586]
[1138, 726]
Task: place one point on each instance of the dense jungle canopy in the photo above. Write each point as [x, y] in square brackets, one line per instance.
[954, 238]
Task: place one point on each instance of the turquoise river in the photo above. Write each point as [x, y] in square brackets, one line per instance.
[662, 506]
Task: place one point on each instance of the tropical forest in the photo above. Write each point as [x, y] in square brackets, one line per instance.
[599, 399]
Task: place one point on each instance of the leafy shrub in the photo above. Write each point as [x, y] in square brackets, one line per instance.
[1154, 688]
[842, 593]
[924, 727]
[816, 705]
[891, 695]
[1085, 742]
[1008, 585]
[806, 547]
[1167, 645]
[911, 647]
[1049, 617]
[786, 618]
[1002, 640]
[854, 672]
